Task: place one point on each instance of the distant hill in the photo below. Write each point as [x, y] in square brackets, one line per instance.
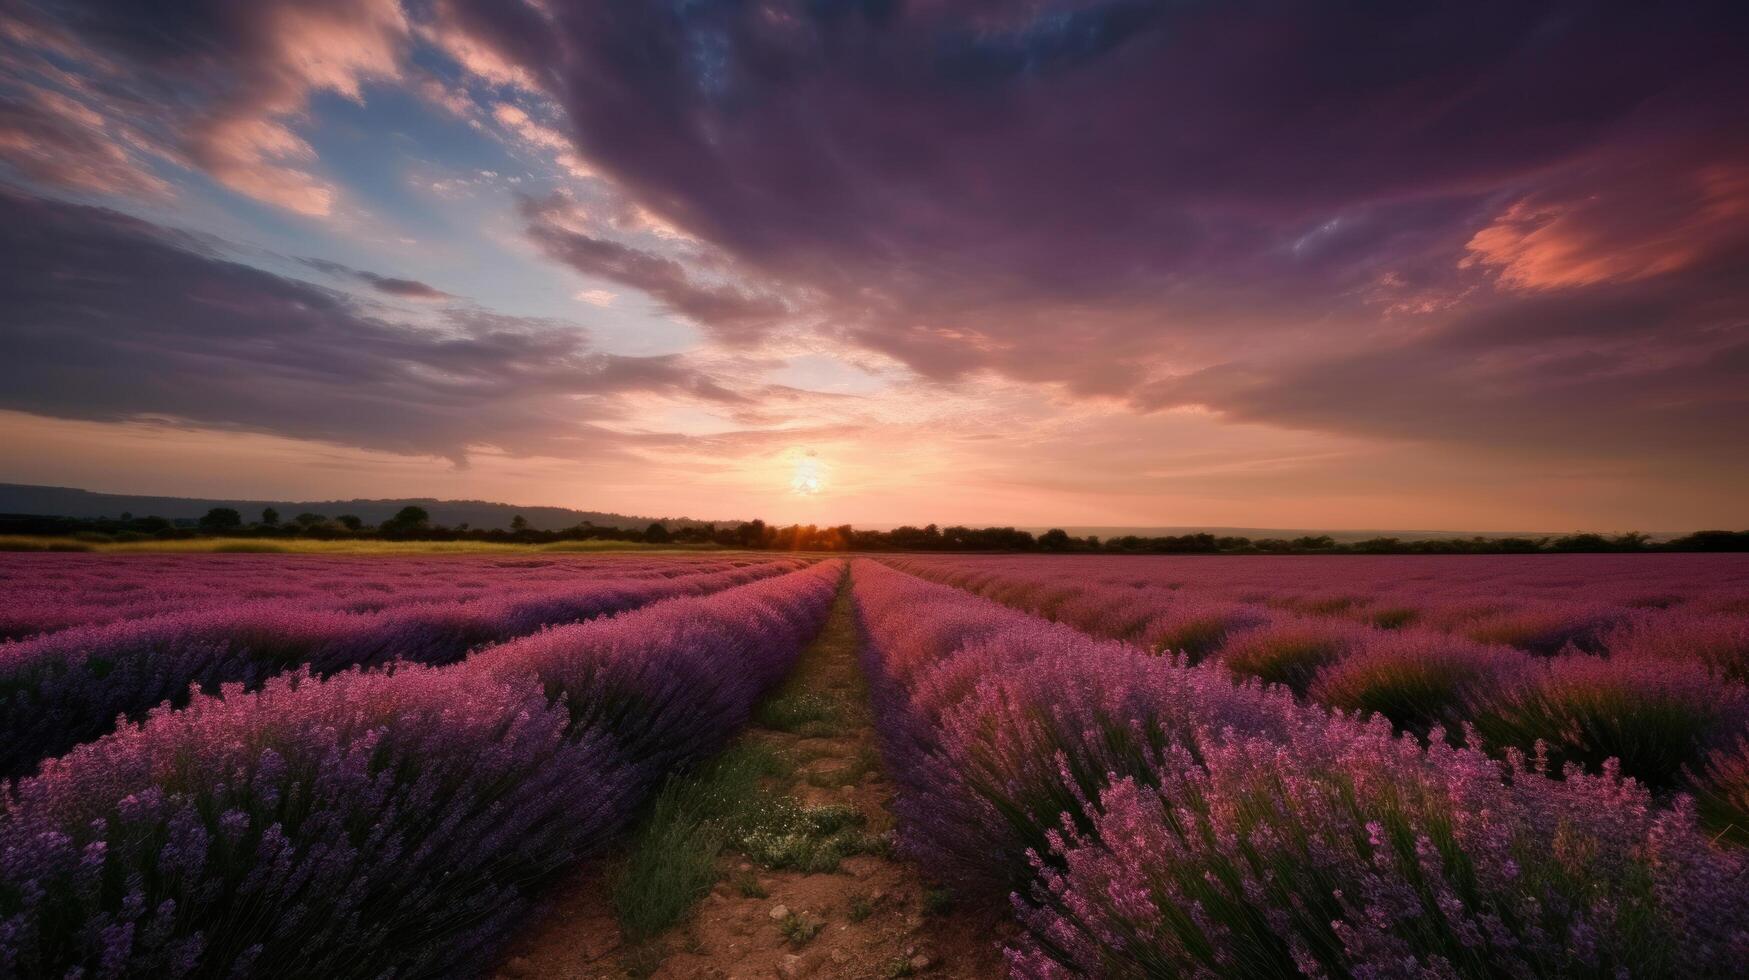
[16, 498]
[1259, 533]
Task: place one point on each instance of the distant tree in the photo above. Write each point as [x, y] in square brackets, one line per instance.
[1056, 539]
[657, 533]
[408, 519]
[307, 519]
[269, 516]
[350, 522]
[127, 515]
[519, 523]
[221, 519]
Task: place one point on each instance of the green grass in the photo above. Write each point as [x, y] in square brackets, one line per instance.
[734, 804]
[802, 713]
[780, 833]
[671, 866]
[315, 546]
[937, 902]
[748, 885]
[671, 862]
[799, 929]
[896, 967]
[860, 908]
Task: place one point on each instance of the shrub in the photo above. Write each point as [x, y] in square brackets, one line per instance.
[1291, 652]
[1546, 628]
[1419, 680]
[1719, 641]
[1197, 626]
[1656, 717]
[1353, 854]
[1723, 791]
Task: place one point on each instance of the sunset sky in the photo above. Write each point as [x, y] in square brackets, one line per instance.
[1478, 265]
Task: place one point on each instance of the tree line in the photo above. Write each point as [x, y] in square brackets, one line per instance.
[415, 524]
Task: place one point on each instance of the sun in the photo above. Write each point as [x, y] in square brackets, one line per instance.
[808, 481]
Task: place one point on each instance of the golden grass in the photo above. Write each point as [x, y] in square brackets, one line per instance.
[312, 546]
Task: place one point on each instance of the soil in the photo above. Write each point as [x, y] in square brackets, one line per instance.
[878, 916]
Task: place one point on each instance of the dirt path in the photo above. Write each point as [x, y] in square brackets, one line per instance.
[873, 917]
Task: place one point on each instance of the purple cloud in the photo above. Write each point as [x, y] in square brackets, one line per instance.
[110, 317]
[389, 285]
[732, 314]
[1150, 201]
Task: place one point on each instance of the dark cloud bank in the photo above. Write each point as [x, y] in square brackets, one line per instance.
[111, 317]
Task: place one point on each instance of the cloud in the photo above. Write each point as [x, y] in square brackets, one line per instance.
[1647, 370]
[733, 314]
[1645, 222]
[1153, 203]
[53, 138]
[213, 85]
[402, 288]
[113, 318]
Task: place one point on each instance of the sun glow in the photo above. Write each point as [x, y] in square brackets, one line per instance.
[809, 480]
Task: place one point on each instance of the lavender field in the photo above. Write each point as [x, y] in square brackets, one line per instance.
[319, 779]
[1327, 767]
[258, 765]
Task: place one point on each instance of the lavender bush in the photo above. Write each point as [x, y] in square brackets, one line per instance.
[1420, 680]
[67, 687]
[375, 823]
[1654, 718]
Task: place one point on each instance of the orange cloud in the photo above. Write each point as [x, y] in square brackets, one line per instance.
[1611, 236]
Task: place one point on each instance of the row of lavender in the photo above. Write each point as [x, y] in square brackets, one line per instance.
[1149, 817]
[67, 687]
[1536, 603]
[1659, 689]
[42, 593]
[377, 823]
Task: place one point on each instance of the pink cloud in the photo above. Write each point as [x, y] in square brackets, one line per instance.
[223, 93]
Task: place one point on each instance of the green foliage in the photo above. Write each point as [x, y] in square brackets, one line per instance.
[779, 832]
[898, 966]
[748, 885]
[860, 908]
[937, 902]
[671, 865]
[672, 859]
[221, 519]
[799, 929]
[805, 714]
